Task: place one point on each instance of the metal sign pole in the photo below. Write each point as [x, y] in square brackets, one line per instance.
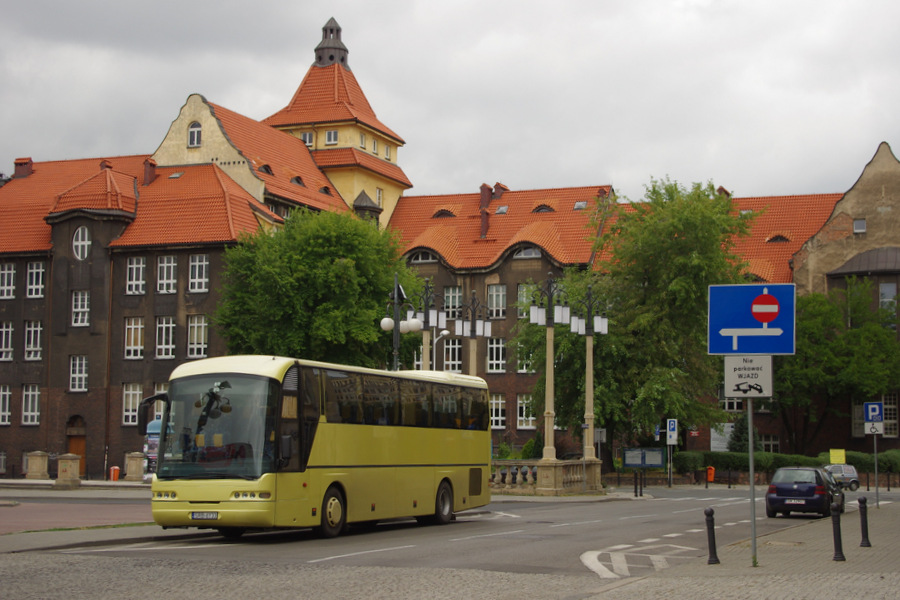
[752, 484]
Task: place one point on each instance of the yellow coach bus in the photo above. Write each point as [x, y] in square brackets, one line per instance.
[259, 442]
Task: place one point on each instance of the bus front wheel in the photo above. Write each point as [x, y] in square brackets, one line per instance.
[443, 504]
[334, 513]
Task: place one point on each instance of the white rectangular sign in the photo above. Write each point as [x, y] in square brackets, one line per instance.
[671, 432]
[748, 376]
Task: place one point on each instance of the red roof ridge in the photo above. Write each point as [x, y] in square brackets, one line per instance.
[226, 197]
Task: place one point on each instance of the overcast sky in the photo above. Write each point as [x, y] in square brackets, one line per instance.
[763, 97]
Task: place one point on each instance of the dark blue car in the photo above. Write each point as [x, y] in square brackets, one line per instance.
[803, 489]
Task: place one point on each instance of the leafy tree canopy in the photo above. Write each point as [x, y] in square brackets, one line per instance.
[315, 289]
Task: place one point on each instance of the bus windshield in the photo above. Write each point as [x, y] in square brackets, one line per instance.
[219, 426]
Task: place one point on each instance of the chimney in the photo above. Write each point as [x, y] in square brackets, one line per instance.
[485, 196]
[105, 164]
[149, 171]
[24, 167]
[499, 188]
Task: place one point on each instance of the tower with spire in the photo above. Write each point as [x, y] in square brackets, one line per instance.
[331, 114]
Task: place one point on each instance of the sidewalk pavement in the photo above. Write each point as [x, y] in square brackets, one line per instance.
[796, 562]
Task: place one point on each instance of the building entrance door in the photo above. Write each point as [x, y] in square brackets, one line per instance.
[77, 442]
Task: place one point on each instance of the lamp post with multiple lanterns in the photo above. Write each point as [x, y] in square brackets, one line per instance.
[473, 324]
[591, 324]
[398, 302]
[430, 316]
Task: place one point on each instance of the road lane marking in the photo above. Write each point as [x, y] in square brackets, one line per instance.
[487, 535]
[318, 560]
[577, 523]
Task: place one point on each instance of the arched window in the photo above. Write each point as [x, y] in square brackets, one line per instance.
[81, 243]
[194, 135]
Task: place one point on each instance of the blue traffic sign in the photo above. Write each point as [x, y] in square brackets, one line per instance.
[873, 411]
[752, 319]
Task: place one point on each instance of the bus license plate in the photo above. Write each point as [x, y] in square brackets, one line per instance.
[791, 501]
[205, 516]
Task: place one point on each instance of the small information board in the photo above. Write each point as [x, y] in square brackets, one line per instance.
[643, 458]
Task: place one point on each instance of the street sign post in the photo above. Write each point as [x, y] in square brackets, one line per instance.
[752, 319]
[874, 420]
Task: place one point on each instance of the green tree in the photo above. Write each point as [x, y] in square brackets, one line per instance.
[315, 289]
[657, 259]
[740, 436]
[846, 350]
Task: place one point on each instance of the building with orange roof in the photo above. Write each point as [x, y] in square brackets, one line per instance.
[110, 267]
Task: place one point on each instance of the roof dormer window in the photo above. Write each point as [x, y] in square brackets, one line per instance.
[422, 256]
[307, 138]
[297, 180]
[265, 169]
[580, 205]
[527, 252]
[194, 131]
[331, 137]
[442, 214]
[543, 208]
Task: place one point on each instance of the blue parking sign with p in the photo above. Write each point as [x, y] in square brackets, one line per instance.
[874, 412]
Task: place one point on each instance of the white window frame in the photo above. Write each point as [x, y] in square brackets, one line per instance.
[387, 152]
[379, 197]
[524, 404]
[453, 355]
[167, 274]
[307, 138]
[498, 411]
[732, 405]
[78, 373]
[374, 145]
[33, 348]
[136, 275]
[496, 293]
[5, 408]
[891, 415]
[770, 442]
[362, 140]
[34, 287]
[527, 252]
[195, 135]
[132, 394]
[81, 243]
[134, 338]
[859, 225]
[159, 405]
[81, 308]
[524, 364]
[7, 280]
[453, 301]
[198, 279]
[524, 298]
[496, 355]
[31, 404]
[165, 337]
[331, 137]
[198, 336]
[887, 296]
[6, 341]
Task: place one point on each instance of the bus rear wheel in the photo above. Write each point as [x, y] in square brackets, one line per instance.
[334, 513]
[443, 504]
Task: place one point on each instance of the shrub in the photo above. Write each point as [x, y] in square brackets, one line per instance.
[528, 449]
[503, 450]
[688, 461]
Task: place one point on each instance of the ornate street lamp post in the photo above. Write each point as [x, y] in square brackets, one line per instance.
[398, 301]
[473, 324]
[556, 311]
[430, 316]
[589, 325]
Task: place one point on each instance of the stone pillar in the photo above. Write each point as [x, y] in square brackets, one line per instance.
[69, 469]
[37, 465]
[134, 466]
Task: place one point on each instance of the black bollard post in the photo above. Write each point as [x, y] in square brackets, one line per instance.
[836, 527]
[864, 522]
[635, 482]
[711, 536]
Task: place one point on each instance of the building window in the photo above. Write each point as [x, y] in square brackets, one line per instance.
[496, 301]
[198, 336]
[887, 296]
[135, 275]
[331, 137]
[81, 308]
[5, 410]
[6, 341]
[524, 360]
[8, 280]
[525, 418]
[165, 337]
[78, 373]
[769, 442]
[199, 273]
[194, 135]
[374, 146]
[166, 274]
[307, 138]
[33, 348]
[859, 225]
[524, 298]
[159, 405]
[732, 405]
[891, 409]
[496, 355]
[131, 399]
[453, 355]
[387, 152]
[134, 338]
[379, 196]
[527, 252]
[35, 280]
[453, 301]
[81, 243]
[31, 404]
[498, 411]
[422, 256]
[362, 140]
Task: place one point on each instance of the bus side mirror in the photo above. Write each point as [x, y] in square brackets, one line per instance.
[145, 409]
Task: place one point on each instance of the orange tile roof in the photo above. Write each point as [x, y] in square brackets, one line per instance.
[565, 234]
[329, 95]
[781, 225]
[104, 191]
[351, 157]
[26, 201]
[287, 157]
[201, 205]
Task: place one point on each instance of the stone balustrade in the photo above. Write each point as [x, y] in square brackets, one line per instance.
[545, 478]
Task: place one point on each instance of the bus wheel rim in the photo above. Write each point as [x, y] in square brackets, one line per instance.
[333, 511]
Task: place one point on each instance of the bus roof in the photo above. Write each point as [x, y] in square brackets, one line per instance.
[276, 367]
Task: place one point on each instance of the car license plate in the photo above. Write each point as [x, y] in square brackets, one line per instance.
[204, 516]
[794, 501]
